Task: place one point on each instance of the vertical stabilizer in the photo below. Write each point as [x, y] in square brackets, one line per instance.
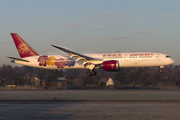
[23, 48]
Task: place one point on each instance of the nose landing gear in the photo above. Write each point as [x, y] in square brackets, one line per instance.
[161, 68]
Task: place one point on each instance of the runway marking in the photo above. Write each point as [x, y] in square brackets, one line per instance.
[84, 101]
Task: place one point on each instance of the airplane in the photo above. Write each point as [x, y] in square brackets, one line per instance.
[73, 60]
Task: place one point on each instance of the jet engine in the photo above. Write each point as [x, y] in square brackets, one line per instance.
[111, 65]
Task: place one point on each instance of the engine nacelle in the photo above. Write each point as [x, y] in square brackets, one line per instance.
[111, 65]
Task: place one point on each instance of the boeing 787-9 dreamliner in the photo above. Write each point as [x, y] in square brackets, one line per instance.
[74, 60]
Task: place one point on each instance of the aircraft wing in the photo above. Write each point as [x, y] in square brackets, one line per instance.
[77, 56]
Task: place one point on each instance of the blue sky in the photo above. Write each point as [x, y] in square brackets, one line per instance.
[88, 26]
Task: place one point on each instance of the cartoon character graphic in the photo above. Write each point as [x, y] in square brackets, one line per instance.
[70, 62]
[51, 61]
[60, 63]
[42, 60]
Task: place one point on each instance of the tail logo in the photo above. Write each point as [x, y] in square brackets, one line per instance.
[22, 48]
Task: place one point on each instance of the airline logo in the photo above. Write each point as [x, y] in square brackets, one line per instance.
[112, 65]
[22, 48]
[142, 54]
[112, 55]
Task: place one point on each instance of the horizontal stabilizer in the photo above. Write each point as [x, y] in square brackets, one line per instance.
[18, 59]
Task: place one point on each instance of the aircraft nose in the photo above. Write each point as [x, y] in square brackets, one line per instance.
[172, 61]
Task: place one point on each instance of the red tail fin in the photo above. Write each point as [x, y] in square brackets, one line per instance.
[23, 48]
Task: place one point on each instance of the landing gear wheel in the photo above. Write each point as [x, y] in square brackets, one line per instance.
[161, 68]
[94, 73]
[89, 73]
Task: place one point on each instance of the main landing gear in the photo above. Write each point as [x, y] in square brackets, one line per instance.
[90, 73]
[90, 69]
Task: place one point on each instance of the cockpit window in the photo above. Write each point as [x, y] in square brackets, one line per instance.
[167, 56]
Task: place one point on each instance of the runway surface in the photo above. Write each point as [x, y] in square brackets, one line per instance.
[90, 105]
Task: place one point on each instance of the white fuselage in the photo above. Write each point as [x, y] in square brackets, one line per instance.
[129, 59]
